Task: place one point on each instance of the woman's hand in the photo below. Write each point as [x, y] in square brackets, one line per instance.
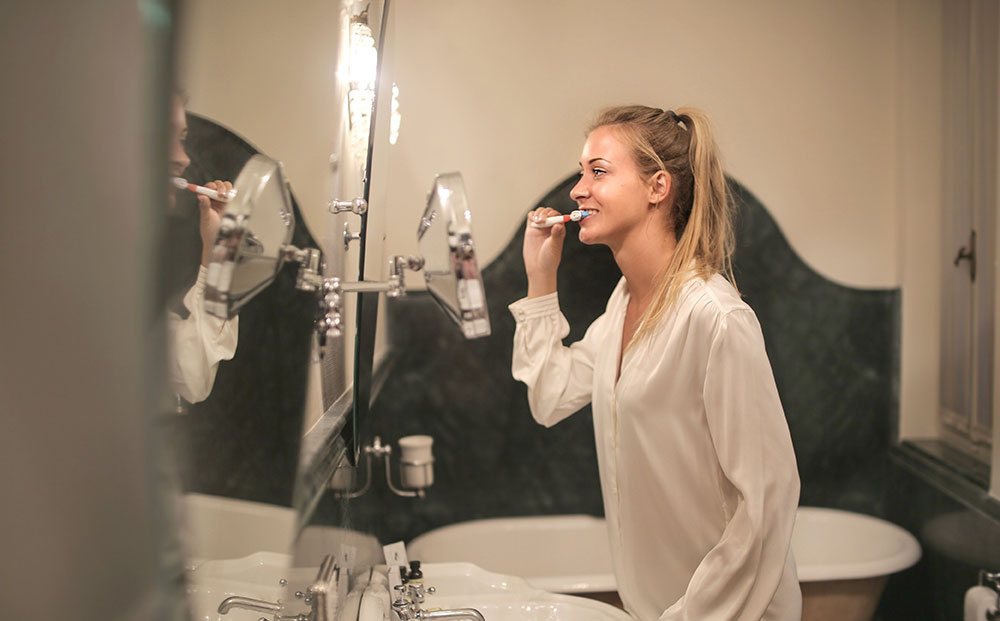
[211, 217]
[542, 252]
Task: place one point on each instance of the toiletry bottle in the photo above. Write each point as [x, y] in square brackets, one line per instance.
[416, 576]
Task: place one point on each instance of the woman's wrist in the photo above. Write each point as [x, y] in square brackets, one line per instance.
[541, 285]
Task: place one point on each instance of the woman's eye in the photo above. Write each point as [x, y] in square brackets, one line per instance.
[599, 171]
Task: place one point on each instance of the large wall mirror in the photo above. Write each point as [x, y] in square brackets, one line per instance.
[277, 100]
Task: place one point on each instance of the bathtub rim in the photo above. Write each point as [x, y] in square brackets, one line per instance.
[564, 583]
[907, 556]
[909, 553]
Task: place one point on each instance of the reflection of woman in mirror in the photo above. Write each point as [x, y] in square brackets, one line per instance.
[698, 474]
[197, 341]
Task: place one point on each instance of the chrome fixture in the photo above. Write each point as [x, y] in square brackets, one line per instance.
[254, 240]
[410, 596]
[318, 597]
[247, 603]
[331, 317]
[448, 261]
[245, 260]
[358, 206]
[416, 468]
[349, 236]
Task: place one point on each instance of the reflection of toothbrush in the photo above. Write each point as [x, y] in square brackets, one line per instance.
[182, 184]
[574, 216]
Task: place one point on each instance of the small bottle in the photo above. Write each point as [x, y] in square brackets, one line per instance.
[415, 574]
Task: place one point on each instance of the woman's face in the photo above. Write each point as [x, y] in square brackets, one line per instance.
[178, 157]
[613, 189]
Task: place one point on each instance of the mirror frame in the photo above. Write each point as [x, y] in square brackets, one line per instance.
[367, 304]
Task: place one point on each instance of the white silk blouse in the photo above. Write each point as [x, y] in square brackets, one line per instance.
[698, 474]
[197, 343]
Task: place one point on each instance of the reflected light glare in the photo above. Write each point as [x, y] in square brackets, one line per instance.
[364, 57]
[394, 116]
[362, 72]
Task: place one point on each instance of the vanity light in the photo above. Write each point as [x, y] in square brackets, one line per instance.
[362, 73]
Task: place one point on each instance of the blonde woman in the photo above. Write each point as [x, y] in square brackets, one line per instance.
[698, 474]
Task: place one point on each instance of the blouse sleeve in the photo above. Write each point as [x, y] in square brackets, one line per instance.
[559, 378]
[739, 576]
[197, 343]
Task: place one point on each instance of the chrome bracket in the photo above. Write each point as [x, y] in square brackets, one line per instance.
[358, 206]
[349, 236]
[378, 450]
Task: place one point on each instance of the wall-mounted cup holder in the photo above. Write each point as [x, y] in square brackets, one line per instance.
[416, 467]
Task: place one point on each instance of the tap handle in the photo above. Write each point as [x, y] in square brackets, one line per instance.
[403, 610]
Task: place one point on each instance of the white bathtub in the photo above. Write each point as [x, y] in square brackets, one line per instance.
[843, 558]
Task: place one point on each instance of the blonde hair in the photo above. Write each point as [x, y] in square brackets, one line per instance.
[680, 142]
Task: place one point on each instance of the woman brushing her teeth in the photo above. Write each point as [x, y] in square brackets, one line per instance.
[698, 474]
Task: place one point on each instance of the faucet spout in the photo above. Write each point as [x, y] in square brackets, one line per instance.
[455, 614]
[247, 603]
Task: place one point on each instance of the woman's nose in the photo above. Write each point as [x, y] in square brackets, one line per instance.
[579, 191]
[178, 156]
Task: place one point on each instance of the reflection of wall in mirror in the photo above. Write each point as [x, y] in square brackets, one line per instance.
[824, 116]
[275, 75]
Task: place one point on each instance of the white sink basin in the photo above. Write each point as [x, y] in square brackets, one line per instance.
[457, 585]
[257, 576]
[505, 598]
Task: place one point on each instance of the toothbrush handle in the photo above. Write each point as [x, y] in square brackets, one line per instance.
[552, 221]
[212, 193]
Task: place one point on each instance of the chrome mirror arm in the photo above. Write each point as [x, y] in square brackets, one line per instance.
[310, 278]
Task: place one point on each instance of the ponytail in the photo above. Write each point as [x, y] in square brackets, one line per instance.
[681, 143]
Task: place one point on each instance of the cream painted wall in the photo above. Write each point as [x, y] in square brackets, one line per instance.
[802, 95]
[268, 71]
[918, 146]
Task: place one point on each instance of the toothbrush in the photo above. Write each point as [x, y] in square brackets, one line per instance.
[182, 184]
[574, 216]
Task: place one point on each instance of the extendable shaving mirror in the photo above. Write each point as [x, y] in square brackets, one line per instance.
[253, 238]
[450, 268]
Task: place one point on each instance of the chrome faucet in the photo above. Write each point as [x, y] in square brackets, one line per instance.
[407, 607]
[468, 614]
[248, 603]
[259, 605]
[316, 596]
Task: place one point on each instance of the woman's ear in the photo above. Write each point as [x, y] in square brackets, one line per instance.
[659, 187]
